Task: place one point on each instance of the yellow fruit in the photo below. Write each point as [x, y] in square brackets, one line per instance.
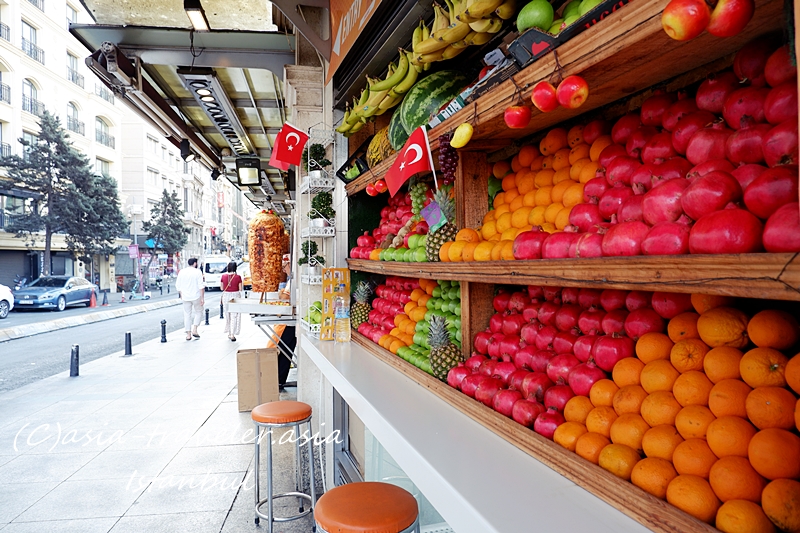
[462, 135]
[519, 218]
[536, 217]
[551, 212]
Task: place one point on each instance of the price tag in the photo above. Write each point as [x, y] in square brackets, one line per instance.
[433, 216]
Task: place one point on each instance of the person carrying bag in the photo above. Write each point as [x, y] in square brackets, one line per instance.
[231, 286]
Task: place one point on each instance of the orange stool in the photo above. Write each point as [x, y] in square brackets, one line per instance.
[368, 507]
[272, 416]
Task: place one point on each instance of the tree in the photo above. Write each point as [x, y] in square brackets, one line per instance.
[69, 197]
[165, 227]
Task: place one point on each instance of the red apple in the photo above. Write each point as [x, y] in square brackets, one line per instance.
[544, 97]
[517, 116]
[685, 19]
[484, 71]
[729, 17]
[572, 92]
[381, 186]
[371, 190]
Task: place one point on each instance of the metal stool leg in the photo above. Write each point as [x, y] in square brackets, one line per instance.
[298, 474]
[269, 475]
[255, 475]
[311, 465]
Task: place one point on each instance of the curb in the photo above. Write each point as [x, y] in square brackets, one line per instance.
[27, 330]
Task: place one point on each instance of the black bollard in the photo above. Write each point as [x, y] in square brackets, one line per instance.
[167, 288]
[128, 348]
[206, 317]
[220, 310]
[163, 331]
[73, 361]
[161, 288]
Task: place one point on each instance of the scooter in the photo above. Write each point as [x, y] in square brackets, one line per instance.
[135, 295]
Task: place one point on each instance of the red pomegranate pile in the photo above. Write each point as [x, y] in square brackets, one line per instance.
[393, 217]
[548, 344]
[391, 298]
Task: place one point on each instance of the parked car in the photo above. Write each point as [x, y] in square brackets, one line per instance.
[54, 292]
[6, 301]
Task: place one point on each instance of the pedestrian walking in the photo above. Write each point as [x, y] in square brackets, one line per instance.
[231, 285]
[190, 287]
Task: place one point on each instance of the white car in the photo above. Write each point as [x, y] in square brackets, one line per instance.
[6, 301]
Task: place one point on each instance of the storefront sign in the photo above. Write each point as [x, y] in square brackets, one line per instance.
[220, 199]
[133, 251]
[348, 20]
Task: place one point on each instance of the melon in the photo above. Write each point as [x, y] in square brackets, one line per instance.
[427, 97]
[397, 133]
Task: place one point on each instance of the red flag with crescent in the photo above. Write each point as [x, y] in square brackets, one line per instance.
[273, 162]
[413, 158]
[289, 145]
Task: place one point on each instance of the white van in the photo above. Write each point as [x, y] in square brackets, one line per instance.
[214, 266]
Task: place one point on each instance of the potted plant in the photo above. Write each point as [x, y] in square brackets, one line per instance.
[311, 263]
[314, 161]
[322, 211]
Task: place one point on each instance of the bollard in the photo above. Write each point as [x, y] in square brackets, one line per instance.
[206, 317]
[220, 310]
[73, 361]
[128, 348]
[161, 288]
[163, 331]
[167, 288]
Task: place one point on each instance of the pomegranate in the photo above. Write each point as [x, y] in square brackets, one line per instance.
[528, 244]
[512, 324]
[481, 343]
[530, 313]
[678, 110]
[457, 375]
[779, 68]
[569, 295]
[637, 300]
[547, 313]
[566, 318]
[710, 193]
[667, 238]
[663, 203]
[552, 294]
[589, 245]
[612, 199]
[595, 129]
[471, 383]
[625, 239]
[708, 143]
[631, 209]
[534, 386]
[535, 292]
[774, 188]
[516, 378]
[614, 322]
[713, 165]
[583, 347]
[688, 126]
[624, 127]
[547, 423]
[659, 148]
[642, 179]
[496, 323]
[544, 340]
[745, 101]
[589, 298]
[751, 59]
[594, 190]
[539, 360]
[780, 144]
[713, 92]
[610, 349]
[523, 359]
[638, 140]
[494, 345]
[643, 321]
[487, 389]
[745, 174]
[487, 368]
[500, 302]
[609, 153]
[517, 302]
[504, 370]
[670, 304]
[730, 231]
[745, 145]
[529, 332]
[556, 246]
[612, 299]
[590, 321]
[782, 231]
[781, 103]
[560, 366]
[585, 216]
[504, 401]
[557, 397]
[583, 377]
[525, 412]
[509, 346]
[673, 168]
[654, 108]
[620, 170]
[564, 342]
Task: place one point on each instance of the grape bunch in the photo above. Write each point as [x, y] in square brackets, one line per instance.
[418, 192]
[448, 159]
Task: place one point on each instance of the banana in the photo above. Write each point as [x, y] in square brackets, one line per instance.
[396, 77]
[375, 96]
[482, 26]
[454, 32]
[460, 8]
[427, 67]
[416, 38]
[481, 38]
[344, 127]
[441, 19]
[389, 102]
[355, 128]
[354, 114]
[506, 10]
[482, 8]
[432, 57]
[430, 45]
[463, 43]
[451, 11]
[451, 52]
[408, 82]
[496, 25]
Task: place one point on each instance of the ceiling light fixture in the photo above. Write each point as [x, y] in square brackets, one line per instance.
[215, 174]
[204, 92]
[248, 170]
[186, 151]
[194, 10]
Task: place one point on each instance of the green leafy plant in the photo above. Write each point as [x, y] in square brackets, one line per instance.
[309, 249]
[322, 206]
[314, 157]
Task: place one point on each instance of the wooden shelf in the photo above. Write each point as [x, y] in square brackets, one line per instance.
[767, 276]
[624, 54]
[655, 514]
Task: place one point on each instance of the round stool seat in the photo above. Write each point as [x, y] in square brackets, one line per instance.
[284, 412]
[367, 507]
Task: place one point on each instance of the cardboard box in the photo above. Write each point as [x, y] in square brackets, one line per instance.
[257, 372]
[331, 279]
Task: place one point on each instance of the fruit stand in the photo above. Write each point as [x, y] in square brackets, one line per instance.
[627, 59]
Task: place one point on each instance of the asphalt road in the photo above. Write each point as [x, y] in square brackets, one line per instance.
[29, 359]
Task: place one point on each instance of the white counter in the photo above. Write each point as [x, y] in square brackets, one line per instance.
[477, 481]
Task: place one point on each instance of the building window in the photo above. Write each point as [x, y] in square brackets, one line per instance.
[29, 43]
[30, 101]
[10, 208]
[103, 167]
[5, 32]
[72, 70]
[163, 153]
[38, 3]
[31, 139]
[73, 123]
[5, 90]
[101, 133]
[186, 199]
[72, 15]
[152, 176]
[152, 144]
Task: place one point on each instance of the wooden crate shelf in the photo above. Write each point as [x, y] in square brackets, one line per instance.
[653, 513]
[767, 276]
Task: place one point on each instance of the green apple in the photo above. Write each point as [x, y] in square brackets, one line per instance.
[419, 325]
[555, 29]
[419, 338]
[569, 21]
[457, 310]
[535, 14]
[419, 255]
[437, 292]
[455, 293]
[573, 8]
[588, 5]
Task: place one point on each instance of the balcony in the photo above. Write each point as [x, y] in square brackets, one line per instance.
[104, 138]
[33, 51]
[5, 32]
[5, 93]
[33, 106]
[73, 124]
[75, 77]
[104, 93]
[38, 3]
[6, 219]
[5, 150]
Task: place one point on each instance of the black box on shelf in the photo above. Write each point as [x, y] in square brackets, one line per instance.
[358, 160]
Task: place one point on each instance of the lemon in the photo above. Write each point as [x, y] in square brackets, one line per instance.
[461, 136]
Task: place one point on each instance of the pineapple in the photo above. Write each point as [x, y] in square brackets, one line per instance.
[448, 231]
[359, 310]
[444, 354]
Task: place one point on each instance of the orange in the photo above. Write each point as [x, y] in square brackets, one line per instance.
[741, 516]
[416, 294]
[497, 250]
[723, 326]
[396, 345]
[409, 306]
[510, 195]
[619, 460]
[562, 218]
[555, 140]
[509, 182]
[551, 212]
[590, 445]
[730, 435]
[375, 255]
[499, 199]
[658, 375]
[629, 429]
[537, 163]
[602, 393]
[510, 234]
[557, 194]
[527, 154]
[549, 227]
[488, 229]
[536, 217]
[683, 326]
[573, 195]
[561, 159]
[589, 171]
[515, 166]
[562, 175]
[500, 169]
[567, 434]
[575, 135]
[659, 408]
[792, 374]
[693, 495]
[694, 457]
[547, 162]
[577, 409]
[468, 235]
[773, 329]
[455, 250]
[653, 346]
[529, 200]
[525, 182]
[729, 398]
[544, 177]
[599, 420]
[661, 441]
[771, 407]
[519, 217]
[507, 253]
[705, 302]
[692, 421]
[516, 203]
[503, 222]
[692, 388]
[578, 152]
[781, 503]
[544, 196]
[627, 372]
[629, 399]
[483, 252]
[468, 253]
[734, 478]
[444, 252]
[722, 363]
[797, 415]
[775, 453]
[762, 367]
[577, 166]
[599, 145]
[688, 355]
[653, 475]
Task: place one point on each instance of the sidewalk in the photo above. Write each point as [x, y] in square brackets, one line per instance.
[149, 443]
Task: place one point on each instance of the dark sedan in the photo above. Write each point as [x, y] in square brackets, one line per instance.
[54, 292]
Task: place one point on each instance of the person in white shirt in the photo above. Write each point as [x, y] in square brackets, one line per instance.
[190, 287]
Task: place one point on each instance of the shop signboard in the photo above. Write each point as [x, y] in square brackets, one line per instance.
[133, 251]
[348, 20]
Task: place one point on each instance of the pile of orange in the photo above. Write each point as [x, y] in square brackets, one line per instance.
[406, 322]
[706, 417]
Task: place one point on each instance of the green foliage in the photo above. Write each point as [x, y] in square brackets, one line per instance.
[309, 249]
[314, 157]
[165, 227]
[323, 205]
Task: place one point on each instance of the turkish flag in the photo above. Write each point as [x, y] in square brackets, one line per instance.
[273, 162]
[413, 158]
[289, 145]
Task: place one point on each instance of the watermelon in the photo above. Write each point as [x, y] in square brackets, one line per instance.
[427, 97]
[397, 133]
